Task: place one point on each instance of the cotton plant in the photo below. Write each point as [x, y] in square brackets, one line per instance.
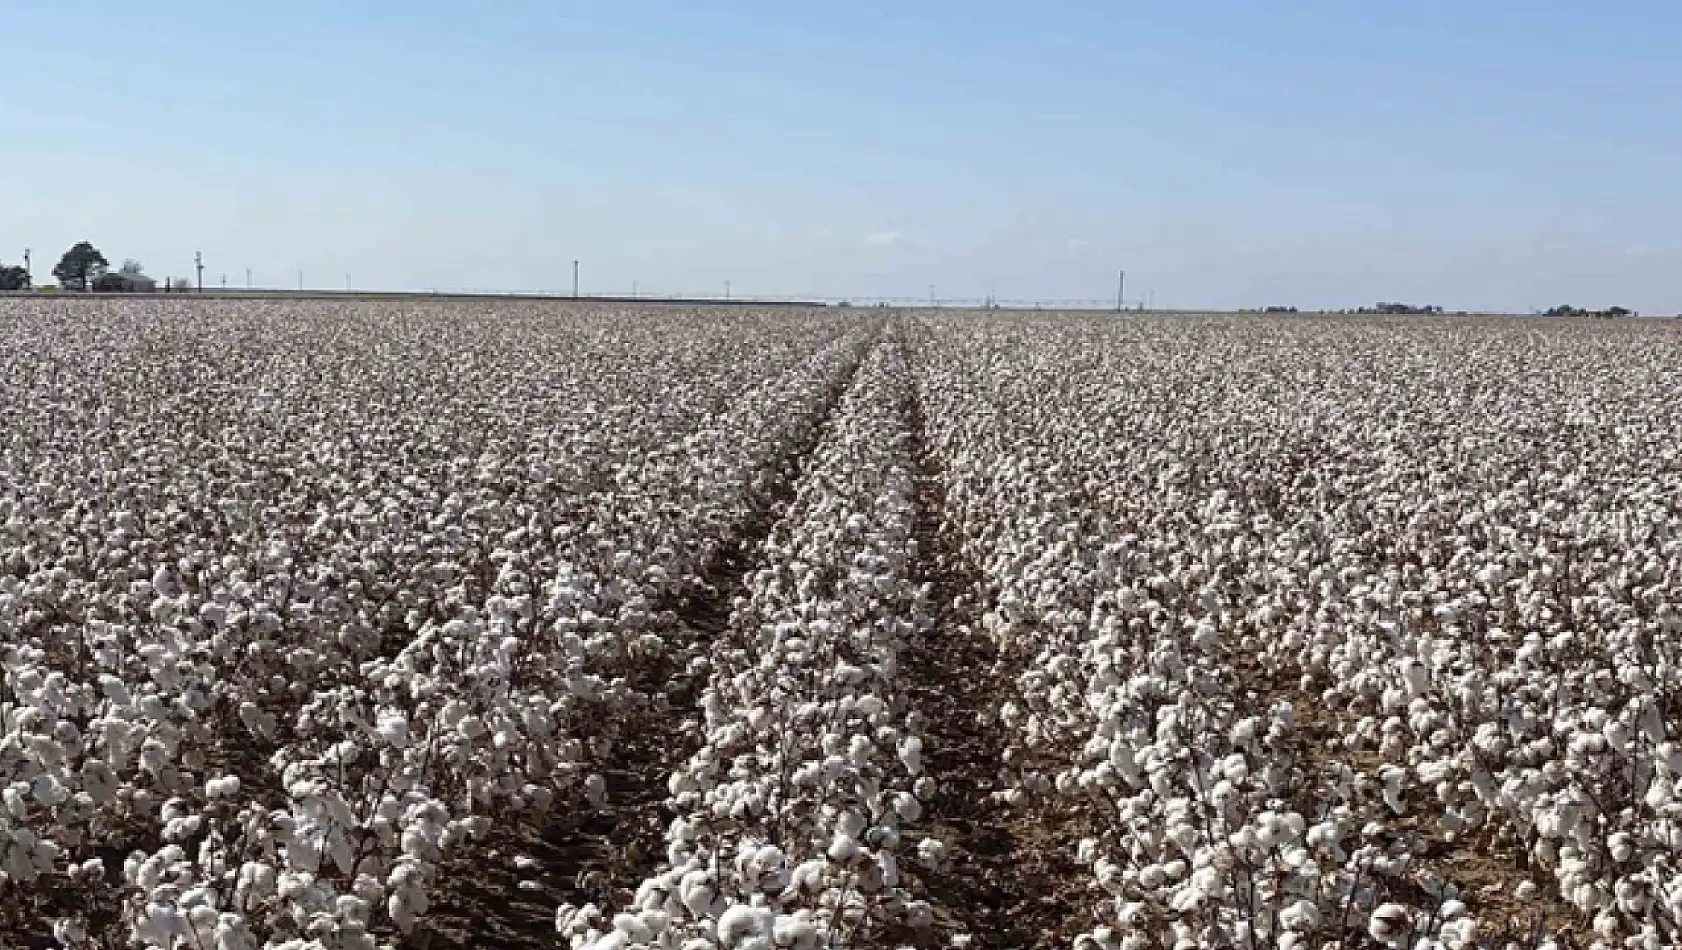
[793, 814]
[293, 663]
[1459, 617]
[300, 601]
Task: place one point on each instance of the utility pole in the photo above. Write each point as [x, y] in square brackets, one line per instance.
[347, 283]
[224, 281]
[1120, 286]
[300, 280]
[931, 295]
[633, 288]
[198, 263]
[727, 290]
[248, 278]
[1153, 299]
[575, 277]
[28, 271]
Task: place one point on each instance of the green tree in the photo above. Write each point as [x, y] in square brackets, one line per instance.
[13, 277]
[80, 265]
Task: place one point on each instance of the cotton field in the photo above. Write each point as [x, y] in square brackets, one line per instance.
[342, 625]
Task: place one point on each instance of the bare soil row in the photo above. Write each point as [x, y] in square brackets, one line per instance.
[1010, 879]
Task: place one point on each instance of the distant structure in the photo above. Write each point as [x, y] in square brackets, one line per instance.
[122, 282]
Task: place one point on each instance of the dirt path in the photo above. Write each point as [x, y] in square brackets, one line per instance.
[1010, 879]
[601, 855]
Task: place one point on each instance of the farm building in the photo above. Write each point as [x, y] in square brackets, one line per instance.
[125, 283]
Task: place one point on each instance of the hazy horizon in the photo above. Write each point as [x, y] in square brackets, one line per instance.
[1508, 157]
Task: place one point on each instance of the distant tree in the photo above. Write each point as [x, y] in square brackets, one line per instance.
[132, 268]
[1389, 307]
[178, 284]
[13, 277]
[1567, 310]
[80, 265]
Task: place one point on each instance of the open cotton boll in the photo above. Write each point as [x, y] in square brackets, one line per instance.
[741, 922]
[843, 849]
[595, 789]
[393, 729]
[1300, 916]
[226, 786]
[911, 754]
[698, 891]
[795, 931]
[907, 807]
[851, 823]
[1389, 924]
[70, 931]
[931, 852]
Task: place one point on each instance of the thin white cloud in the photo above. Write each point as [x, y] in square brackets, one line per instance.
[889, 239]
[1076, 245]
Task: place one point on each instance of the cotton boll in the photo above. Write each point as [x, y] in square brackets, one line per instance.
[70, 931]
[698, 891]
[741, 921]
[13, 798]
[595, 790]
[794, 931]
[843, 849]
[1086, 850]
[202, 918]
[931, 852]
[226, 786]
[1621, 846]
[400, 912]
[850, 822]
[1300, 916]
[99, 781]
[911, 754]
[1389, 924]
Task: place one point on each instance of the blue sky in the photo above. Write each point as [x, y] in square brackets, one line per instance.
[1495, 154]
